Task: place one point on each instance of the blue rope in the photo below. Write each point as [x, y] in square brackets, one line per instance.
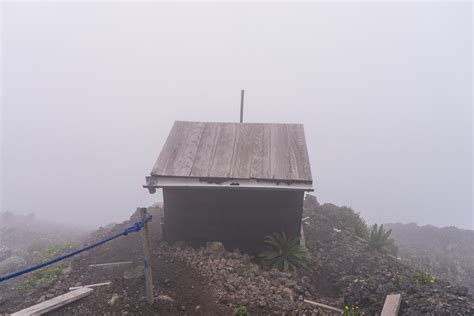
[135, 228]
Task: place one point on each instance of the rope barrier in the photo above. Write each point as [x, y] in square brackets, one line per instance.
[135, 228]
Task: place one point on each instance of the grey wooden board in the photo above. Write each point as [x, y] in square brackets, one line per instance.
[187, 152]
[203, 159]
[235, 150]
[222, 160]
[178, 149]
[256, 159]
[391, 305]
[266, 153]
[54, 303]
[280, 152]
[167, 154]
[242, 156]
[299, 159]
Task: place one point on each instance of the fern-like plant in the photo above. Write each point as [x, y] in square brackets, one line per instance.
[283, 253]
[379, 239]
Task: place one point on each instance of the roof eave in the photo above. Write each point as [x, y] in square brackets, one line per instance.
[154, 182]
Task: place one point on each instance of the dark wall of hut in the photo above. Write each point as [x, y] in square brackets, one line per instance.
[240, 218]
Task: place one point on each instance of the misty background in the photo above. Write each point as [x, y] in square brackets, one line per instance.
[91, 90]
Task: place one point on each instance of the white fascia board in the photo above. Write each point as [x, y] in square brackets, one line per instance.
[154, 182]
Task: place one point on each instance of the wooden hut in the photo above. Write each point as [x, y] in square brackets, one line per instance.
[232, 182]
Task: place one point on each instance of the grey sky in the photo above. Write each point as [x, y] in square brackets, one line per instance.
[90, 91]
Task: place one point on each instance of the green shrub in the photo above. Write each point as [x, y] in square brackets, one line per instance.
[283, 253]
[424, 278]
[49, 272]
[348, 219]
[241, 311]
[379, 239]
[353, 222]
[41, 276]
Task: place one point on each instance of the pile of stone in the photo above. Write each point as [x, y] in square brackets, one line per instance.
[240, 282]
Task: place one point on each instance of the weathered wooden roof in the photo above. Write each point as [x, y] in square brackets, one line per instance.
[261, 151]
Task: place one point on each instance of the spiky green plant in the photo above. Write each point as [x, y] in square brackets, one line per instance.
[379, 239]
[283, 253]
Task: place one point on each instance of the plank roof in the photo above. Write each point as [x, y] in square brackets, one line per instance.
[260, 151]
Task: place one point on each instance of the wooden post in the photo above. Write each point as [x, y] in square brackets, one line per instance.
[302, 239]
[242, 92]
[147, 258]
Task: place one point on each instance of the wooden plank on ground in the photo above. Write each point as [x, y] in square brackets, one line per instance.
[207, 146]
[54, 303]
[243, 152]
[109, 264]
[221, 162]
[391, 305]
[324, 306]
[89, 285]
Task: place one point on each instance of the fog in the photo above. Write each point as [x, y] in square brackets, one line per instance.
[91, 90]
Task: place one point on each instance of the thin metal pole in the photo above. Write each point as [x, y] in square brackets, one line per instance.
[242, 92]
[147, 257]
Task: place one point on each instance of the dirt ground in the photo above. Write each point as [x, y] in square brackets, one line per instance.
[338, 267]
[181, 289]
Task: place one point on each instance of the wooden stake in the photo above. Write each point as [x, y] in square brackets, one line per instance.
[302, 239]
[147, 258]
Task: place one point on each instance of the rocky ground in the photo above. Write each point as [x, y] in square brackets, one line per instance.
[206, 281]
[447, 252]
[344, 268]
[23, 237]
[214, 281]
[179, 290]
[237, 281]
